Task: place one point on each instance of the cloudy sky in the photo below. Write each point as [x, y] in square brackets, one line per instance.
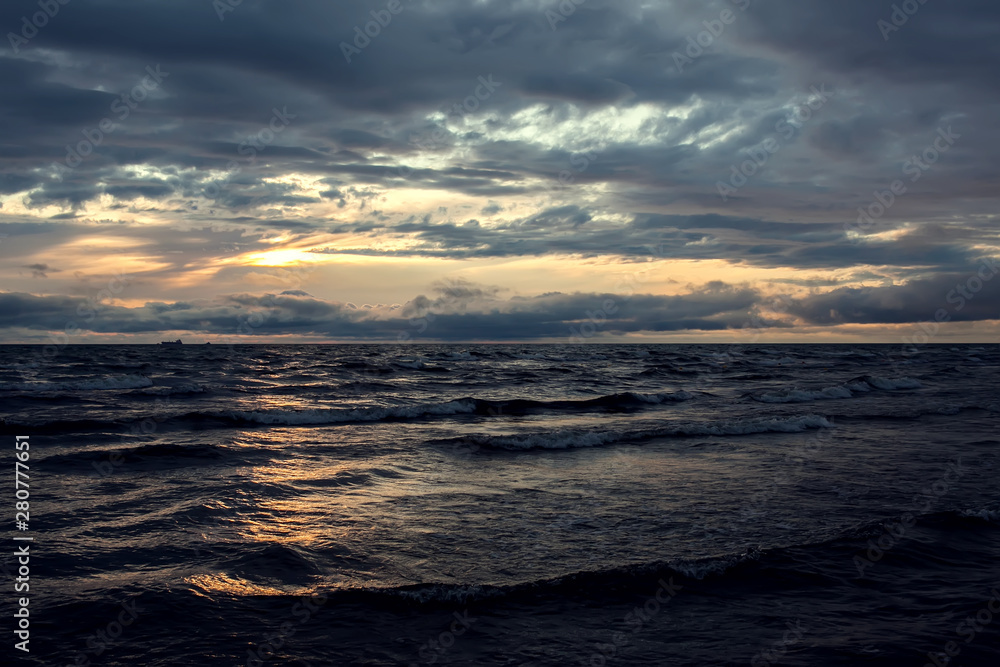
[492, 170]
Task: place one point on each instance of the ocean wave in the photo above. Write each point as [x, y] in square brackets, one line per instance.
[784, 361]
[419, 365]
[669, 369]
[575, 439]
[464, 355]
[803, 396]
[628, 399]
[366, 368]
[275, 561]
[855, 352]
[895, 413]
[10, 425]
[863, 384]
[136, 454]
[585, 583]
[339, 416]
[178, 390]
[91, 384]
[360, 385]
[278, 571]
[890, 384]
[990, 514]
[754, 565]
[321, 416]
[460, 406]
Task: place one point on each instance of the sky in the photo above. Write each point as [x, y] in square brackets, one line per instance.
[727, 171]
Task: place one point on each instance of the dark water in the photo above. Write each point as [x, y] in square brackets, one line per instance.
[509, 505]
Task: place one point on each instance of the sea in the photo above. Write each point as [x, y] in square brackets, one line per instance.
[539, 505]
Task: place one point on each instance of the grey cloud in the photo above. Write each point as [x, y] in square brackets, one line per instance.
[961, 297]
[463, 311]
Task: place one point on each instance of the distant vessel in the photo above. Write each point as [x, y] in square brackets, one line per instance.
[172, 342]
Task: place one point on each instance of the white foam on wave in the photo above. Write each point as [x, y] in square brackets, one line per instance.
[893, 383]
[179, 389]
[576, 439]
[803, 396]
[985, 514]
[859, 387]
[845, 390]
[338, 416]
[699, 569]
[92, 384]
[417, 364]
[656, 399]
[445, 593]
[460, 356]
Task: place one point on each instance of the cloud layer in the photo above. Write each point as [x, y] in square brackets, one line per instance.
[754, 148]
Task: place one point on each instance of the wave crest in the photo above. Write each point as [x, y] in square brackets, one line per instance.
[575, 439]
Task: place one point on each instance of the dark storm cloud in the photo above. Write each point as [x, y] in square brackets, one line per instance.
[960, 297]
[940, 42]
[457, 311]
[214, 68]
[573, 230]
[10, 183]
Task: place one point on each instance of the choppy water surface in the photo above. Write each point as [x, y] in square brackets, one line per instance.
[510, 505]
